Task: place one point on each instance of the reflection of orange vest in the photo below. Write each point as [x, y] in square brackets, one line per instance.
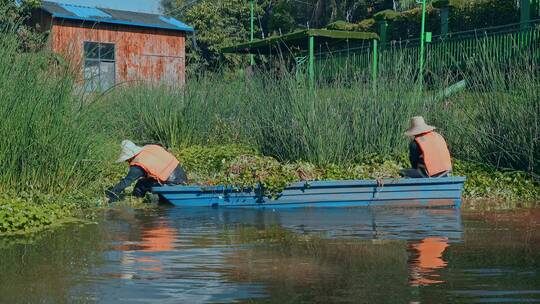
[430, 258]
[156, 162]
[158, 239]
[435, 153]
[430, 253]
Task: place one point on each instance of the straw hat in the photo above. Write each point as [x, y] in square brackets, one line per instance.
[418, 126]
[129, 150]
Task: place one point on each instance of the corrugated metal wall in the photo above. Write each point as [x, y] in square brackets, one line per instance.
[148, 55]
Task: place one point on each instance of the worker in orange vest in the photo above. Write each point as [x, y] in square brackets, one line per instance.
[150, 166]
[428, 151]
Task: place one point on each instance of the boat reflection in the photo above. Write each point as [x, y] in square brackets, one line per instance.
[427, 232]
[412, 240]
[362, 223]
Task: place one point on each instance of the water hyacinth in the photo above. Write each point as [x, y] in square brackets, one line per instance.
[17, 216]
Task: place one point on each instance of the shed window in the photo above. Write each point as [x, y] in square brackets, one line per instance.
[99, 66]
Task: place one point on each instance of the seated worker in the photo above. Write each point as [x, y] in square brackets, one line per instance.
[428, 151]
[151, 165]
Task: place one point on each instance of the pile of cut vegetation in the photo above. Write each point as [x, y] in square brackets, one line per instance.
[245, 168]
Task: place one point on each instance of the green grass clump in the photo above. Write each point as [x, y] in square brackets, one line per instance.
[204, 112]
[50, 153]
[496, 121]
[250, 171]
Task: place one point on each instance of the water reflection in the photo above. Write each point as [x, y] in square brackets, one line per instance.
[157, 256]
[175, 255]
[404, 248]
[46, 269]
[159, 238]
[427, 259]
[154, 238]
[186, 248]
[362, 223]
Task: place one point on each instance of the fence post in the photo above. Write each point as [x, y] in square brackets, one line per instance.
[374, 64]
[422, 46]
[525, 13]
[445, 12]
[383, 29]
[252, 30]
[311, 66]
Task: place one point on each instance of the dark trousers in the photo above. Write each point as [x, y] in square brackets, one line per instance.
[143, 186]
[419, 173]
[413, 173]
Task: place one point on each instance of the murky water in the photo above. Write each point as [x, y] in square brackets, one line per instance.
[173, 255]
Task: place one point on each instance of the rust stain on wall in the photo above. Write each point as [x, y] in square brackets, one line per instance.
[142, 54]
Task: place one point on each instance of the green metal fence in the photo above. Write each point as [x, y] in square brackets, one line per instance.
[452, 52]
[346, 63]
[500, 47]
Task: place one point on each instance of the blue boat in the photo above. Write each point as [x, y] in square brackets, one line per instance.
[402, 192]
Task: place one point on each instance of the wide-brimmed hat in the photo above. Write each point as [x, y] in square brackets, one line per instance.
[129, 150]
[418, 126]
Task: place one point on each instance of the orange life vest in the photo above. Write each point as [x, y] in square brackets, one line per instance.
[435, 153]
[156, 162]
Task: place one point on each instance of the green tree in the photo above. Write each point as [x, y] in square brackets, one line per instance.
[220, 23]
[480, 14]
[217, 23]
[280, 17]
[14, 17]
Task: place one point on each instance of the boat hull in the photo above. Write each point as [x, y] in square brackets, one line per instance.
[421, 192]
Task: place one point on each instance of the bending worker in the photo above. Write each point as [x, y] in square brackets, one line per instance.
[150, 166]
[428, 151]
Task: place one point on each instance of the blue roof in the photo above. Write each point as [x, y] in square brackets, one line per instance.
[85, 12]
[105, 15]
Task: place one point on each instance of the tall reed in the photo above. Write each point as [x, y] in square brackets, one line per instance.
[494, 121]
[46, 142]
[335, 124]
[497, 119]
[205, 111]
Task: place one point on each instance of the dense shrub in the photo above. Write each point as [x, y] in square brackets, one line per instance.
[465, 16]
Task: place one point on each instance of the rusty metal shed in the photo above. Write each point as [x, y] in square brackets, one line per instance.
[111, 47]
